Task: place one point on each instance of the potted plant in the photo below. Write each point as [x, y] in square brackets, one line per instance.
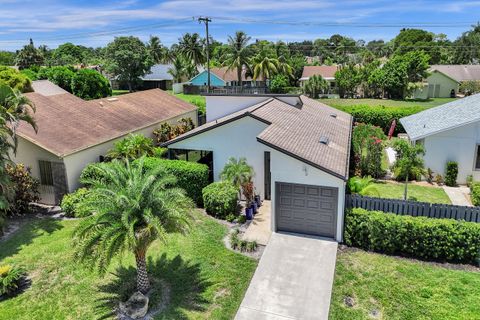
[247, 189]
[258, 200]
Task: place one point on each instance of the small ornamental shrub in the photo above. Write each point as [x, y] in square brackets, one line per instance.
[242, 219]
[469, 180]
[419, 237]
[475, 193]
[92, 172]
[220, 199]
[451, 174]
[191, 176]
[381, 116]
[25, 189]
[75, 204]
[429, 175]
[230, 217]
[10, 277]
[367, 147]
[438, 179]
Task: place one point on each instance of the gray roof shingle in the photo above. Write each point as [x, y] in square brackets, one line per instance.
[296, 131]
[158, 72]
[445, 117]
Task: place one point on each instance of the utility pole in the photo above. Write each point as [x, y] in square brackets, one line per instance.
[206, 20]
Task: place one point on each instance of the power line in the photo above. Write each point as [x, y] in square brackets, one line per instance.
[206, 20]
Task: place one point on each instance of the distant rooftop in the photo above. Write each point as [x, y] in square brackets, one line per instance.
[47, 88]
[461, 72]
[158, 72]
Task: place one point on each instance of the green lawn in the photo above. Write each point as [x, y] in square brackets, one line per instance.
[119, 92]
[195, 99]
[401, 289]
[339, 103]
[395, 191]
[206, 280]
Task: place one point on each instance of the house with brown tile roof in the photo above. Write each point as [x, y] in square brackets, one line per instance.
[326, 72]
[73, 132]
[298, 147]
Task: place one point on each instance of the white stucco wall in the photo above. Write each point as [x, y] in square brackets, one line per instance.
[236, 139]
[220, 106]
[453, 145]
[74, 163]
[287, 169]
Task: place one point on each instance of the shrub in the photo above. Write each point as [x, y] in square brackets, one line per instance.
[279, 83]
[357, 184]
[132, 147]
[367, 146]
[220, 199]
[381, 116]
[191, 176]
[10, 277]
[469, 180]
[92, 172]
[439, 179]
[25, 189]
[89, 84]
[420, 237]
[451, 174]
[75, 204]
[429, 175]
[475, 193]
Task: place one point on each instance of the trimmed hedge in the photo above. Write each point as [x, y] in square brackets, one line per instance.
[191, 176]
[381, 116]
[475, 193]
[73, 204]
[451, 174]
[220, 199]
[420, 237]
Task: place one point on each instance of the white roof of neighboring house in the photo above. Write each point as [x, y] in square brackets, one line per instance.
[297, 131]
[461, 72]
[47, 88]
[158, 72]
[442, 118]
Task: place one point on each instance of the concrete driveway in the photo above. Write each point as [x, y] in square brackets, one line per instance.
[293, 280]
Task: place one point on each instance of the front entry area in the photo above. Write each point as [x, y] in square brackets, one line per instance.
[306, 209]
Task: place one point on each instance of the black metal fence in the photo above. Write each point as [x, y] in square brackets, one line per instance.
[414, 208]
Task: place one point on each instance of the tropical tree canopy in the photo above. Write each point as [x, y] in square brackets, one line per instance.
[14, 108]
[237, 55]
[315, 85]
[134, 207]
[409, 162]
[237, 172]
[157, 51]
[28, 56]
[190, 46]
[133, 147]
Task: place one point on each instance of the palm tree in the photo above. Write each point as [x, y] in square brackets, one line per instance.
[315, 85]
[14, 108]
[238, 172]
[134, 207]
[177, 70]
[409, 161]
[264, 66]
[237, 55]
[155, 48]
[191, 47]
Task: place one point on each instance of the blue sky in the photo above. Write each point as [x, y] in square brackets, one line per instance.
[95, 23]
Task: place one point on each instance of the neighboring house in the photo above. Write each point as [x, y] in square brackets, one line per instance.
[327, 73]
[223, 77]
[437, 85]
[450, 132]
[298, 147]
[73, 132]
[158, 78]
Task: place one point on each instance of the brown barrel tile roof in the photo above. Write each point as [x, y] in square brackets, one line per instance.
[67, 124]
[297, 131]
[324, 71]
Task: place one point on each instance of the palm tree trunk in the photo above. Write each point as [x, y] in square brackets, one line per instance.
[143, 284]
[239, 75]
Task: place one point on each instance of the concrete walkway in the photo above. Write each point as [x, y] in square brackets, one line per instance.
[293, 280]
[458, 195]
[259, 229]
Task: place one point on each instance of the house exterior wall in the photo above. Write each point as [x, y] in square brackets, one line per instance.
[220, 106]
[287, 169]
[437, 79]
[75, 162]
[458, 145]
[236, 139]
[202, 79]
